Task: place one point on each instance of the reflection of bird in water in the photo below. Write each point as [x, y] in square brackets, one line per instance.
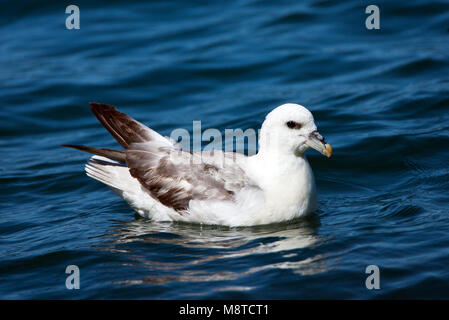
[220, 247]
[164, 183]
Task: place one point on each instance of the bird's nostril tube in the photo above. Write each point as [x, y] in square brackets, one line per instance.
[319, 137]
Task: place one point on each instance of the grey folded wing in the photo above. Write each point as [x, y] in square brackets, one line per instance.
[175, 177]
[172, 176]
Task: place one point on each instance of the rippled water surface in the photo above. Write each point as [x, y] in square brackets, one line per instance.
[380, 97]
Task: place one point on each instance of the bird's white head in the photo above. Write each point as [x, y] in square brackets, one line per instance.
[290, 128]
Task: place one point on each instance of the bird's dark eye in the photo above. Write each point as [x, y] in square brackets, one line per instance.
[293, 125]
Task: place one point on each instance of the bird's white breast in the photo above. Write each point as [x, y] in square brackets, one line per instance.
[289, 187]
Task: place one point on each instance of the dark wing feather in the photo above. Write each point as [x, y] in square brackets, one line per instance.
[108, 153]
[122, 127]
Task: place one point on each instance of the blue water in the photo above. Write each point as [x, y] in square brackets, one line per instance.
[380, 97]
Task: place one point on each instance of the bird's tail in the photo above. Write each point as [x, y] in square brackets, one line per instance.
[106, 166]
[112, 173]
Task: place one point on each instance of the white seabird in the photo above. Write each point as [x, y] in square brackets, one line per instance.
[162, 182]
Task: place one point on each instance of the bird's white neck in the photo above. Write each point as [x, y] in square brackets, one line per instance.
[288, 182]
